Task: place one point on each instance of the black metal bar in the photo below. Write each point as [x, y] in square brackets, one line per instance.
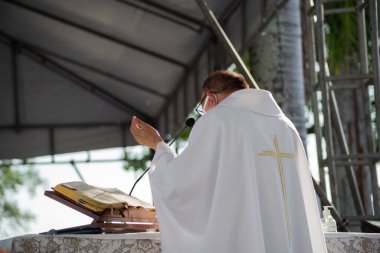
[340, 11]
[350, 86]
[65, 125]
[175, 101]
[209, 60]
[52, 141]
[172, 12]
[375, 156]
[362, 217]
[218, 30]
[167, 121]
[325, 202]
[185, 98]
[123, 130]
[75, 167]
[97, 33]
[354, 163]
[230, 10]
[197, 88]
[16, 84]
[243, 22]
[332, 1]
[190, 24]
[349, 77]
[68, 162]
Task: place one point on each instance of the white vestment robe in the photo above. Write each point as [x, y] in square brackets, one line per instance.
[242, 184]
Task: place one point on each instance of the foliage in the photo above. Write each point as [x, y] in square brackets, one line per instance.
[137, 158]
[12, 180]
[342, 38]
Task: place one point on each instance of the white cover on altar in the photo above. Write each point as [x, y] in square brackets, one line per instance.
[242, 184]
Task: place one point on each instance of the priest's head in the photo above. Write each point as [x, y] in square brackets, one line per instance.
[218, 86]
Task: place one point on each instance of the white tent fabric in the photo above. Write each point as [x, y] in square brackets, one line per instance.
[73, 72]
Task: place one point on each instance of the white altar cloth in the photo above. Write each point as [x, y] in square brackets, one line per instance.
[150, 243]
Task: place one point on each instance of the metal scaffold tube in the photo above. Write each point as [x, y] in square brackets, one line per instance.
[363, 54]
[326, 98]
[331, 114]
[374, 21]
[219, 32]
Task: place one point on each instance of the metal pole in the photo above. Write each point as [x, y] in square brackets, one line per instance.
[77, 170]
[367, 108]
[375, 61]
[317, 126]
[326, 100]
[219, 32]
[16, 84]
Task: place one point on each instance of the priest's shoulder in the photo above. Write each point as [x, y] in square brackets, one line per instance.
[212, 117]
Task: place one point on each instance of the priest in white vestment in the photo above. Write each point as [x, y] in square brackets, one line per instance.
[242, 184]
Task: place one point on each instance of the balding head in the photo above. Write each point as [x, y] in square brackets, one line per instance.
[224, 82]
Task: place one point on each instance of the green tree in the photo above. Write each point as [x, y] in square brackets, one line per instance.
[12, 180]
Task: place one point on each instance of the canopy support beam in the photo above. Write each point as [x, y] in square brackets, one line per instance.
[16, 84]
[88, 67]
[96, 33]
[172, 15]
[81, 82]
[99, 71]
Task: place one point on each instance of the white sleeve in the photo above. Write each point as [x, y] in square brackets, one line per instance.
[164, 155]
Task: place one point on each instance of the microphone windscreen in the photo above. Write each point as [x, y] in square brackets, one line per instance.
[190, 122]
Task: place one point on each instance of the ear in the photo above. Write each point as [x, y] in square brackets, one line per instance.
[211, 98]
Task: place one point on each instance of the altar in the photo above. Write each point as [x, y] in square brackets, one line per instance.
[149, 242]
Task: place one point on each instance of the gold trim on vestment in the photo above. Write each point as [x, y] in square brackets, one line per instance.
[280, 155]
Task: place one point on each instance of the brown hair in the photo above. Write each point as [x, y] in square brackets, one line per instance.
[224, 81]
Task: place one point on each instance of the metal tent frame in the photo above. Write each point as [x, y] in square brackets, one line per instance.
[169, 104]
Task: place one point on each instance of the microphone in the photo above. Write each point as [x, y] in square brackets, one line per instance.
[189, 124]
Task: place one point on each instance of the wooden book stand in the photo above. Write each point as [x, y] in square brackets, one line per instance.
[125, 220]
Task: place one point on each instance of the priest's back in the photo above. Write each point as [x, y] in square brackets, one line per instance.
[242, 184]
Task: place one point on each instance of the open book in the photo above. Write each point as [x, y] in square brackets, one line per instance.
[98, 199]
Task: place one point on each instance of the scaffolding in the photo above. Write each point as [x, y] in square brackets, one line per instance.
[328, 126]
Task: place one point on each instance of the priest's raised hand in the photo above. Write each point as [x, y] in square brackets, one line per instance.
[144, 133]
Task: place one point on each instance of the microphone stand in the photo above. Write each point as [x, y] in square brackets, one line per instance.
[189, 123]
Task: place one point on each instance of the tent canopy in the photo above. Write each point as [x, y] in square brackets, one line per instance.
[72, 73]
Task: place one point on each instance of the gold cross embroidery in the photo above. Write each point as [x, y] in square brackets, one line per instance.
[280, 155]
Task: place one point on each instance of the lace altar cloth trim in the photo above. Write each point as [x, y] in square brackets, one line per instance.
[352, 243]
[128, 243]
[149, 243]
